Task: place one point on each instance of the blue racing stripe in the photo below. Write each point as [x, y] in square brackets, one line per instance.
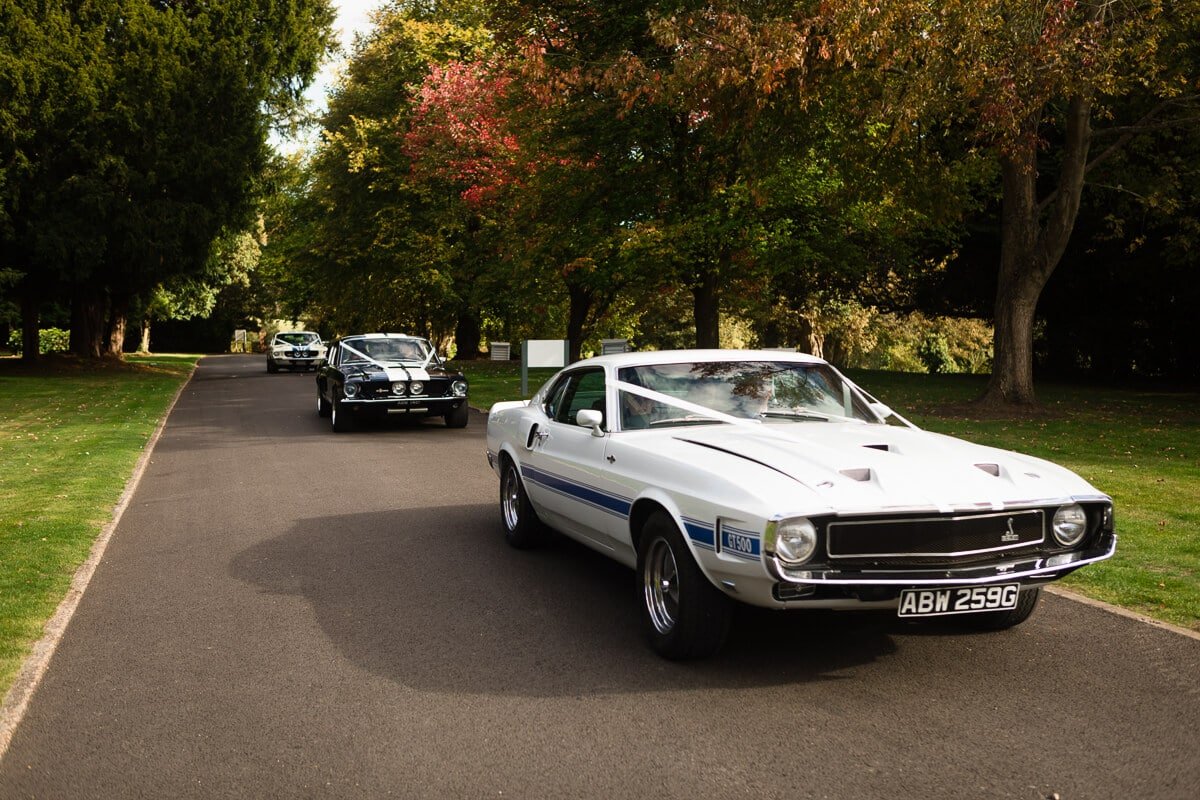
[700, 532]
[597, 498]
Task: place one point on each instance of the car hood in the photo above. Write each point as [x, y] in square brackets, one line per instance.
[872, 467]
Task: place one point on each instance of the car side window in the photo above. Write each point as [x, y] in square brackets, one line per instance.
[584, 390]
[555, 395]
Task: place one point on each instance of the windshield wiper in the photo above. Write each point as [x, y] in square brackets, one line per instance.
[800, 413]
[690, 419]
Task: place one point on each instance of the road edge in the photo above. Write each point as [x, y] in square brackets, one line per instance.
[16, 702]
[1122, 612]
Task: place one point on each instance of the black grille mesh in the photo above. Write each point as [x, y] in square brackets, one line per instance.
[935, 538]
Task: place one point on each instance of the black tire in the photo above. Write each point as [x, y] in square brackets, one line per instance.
[272, 367]
[341, 421]
[457, 418]
[522, 528]
[683, 614]
[1003, 620]
[323, 407]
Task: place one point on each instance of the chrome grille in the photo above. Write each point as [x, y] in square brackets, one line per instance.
[938, 538]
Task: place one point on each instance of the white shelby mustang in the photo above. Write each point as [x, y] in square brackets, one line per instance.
[771, 479]
[295, 350]
[378, 374]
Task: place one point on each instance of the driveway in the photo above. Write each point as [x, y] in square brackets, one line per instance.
[283, 612]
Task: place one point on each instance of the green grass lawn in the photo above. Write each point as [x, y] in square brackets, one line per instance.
[70, 435]
[1140, 447]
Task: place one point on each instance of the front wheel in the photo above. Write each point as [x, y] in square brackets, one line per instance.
[683, 614]
[457, 418]
[323, 407]
[341, 421]
[272, 367]
[1002, 620]
[522, 528]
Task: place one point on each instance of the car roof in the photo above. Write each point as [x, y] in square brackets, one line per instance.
[384, 336]
[647, 357]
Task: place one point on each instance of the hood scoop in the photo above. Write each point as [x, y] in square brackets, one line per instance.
[990, 469]
[861, 474]
[884, 447]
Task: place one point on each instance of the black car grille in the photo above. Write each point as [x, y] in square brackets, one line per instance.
[434, 387]
[931, 541]
[437, 387]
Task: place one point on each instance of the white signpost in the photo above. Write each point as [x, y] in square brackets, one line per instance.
[542, 353]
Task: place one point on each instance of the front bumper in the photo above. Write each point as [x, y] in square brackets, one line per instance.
[1047, 567]
[430, 405]
[885, 584]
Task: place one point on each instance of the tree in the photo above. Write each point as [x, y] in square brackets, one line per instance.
[1013, 84]
[152, 150]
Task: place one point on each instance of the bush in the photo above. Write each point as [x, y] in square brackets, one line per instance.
[50, 340]
[934, 352]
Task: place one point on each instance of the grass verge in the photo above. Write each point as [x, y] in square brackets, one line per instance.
[70, 435]
[1140, 447]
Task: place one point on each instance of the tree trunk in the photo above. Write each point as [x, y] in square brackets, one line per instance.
[1031, 249]
[144, 347]
[87, 322]
[577, 313]
[115, 329]
[31, 337]
[706, 304]
[467, 336]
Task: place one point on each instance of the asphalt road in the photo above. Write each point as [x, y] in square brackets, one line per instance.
[285, 612]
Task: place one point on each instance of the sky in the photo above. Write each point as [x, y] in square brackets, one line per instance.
[352, 18]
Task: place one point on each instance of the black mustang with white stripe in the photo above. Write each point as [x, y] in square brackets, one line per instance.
[381, 374]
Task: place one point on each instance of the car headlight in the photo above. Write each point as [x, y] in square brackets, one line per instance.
[459, 388]
[792, 540]
[416, 387]
[398, 387]
[1070, 524]
[350, 389]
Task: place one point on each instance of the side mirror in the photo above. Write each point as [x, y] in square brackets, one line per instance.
[590, 418]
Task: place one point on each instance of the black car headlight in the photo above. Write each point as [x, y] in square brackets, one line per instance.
[459, 388]
[416, 387]
[1069, 525]
[793, 540]
[398, 387]
[350, 389]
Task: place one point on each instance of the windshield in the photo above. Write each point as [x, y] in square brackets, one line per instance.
[771, 391]
[296, 339]
[388, 350]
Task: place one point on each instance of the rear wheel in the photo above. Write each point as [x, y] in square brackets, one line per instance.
[457, 418]
[340, 420]
[323, 407]
[683, 614]
[1002, 620]
[522, 528]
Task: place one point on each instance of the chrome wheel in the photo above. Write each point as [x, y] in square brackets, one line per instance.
[510, 499]
[660, 580]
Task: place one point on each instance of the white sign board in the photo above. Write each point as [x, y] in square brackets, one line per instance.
[545, 353]
[541, 353]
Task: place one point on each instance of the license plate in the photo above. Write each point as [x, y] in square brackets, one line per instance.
[960, 600]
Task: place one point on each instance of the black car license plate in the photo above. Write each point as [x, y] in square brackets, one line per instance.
[959, 600]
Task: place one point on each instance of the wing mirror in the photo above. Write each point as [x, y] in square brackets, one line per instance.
[882, 410]
[590, 418]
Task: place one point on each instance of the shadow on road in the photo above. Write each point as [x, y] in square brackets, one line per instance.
[433, 598]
